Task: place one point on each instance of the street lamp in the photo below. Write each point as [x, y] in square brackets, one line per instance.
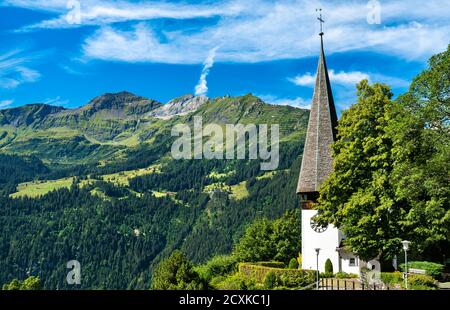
[317, 269]
[406, 244]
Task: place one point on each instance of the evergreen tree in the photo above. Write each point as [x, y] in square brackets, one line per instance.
[328, 266]
[176, 273]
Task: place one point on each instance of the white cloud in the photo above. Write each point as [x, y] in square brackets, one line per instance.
[41, 5]
[5, 103]
[282, 30]
[55, 101]
[14, 69]
[306, 79]
[342, 78]
[27, 74]
[253, 30]
[202, 87]
[139, 45]
[349, 79]
[96, 12]
[297, 102]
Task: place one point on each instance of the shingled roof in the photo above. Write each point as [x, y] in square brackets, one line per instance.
[317, 162]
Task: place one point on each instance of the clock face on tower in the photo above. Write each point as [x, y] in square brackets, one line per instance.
[316, 227]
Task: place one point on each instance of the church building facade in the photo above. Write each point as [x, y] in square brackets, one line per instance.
[316, 166]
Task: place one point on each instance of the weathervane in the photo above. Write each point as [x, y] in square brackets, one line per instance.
[320, 20]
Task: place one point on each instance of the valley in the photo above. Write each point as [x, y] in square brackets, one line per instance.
[79, 183]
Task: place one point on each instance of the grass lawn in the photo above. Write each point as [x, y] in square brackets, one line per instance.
[123, 177]
[39, 188]
[239, 191]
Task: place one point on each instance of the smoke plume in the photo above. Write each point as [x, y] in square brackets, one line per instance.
[202, 86]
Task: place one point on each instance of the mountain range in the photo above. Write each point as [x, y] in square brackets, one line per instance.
[97, 183]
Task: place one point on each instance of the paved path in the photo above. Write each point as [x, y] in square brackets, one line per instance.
[444, 286]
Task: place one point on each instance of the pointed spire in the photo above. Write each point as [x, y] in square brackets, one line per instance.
[317, 161]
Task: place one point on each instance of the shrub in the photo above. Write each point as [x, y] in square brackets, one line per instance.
[221, 265]
[270, 264]
[421, 282]
[29, 284]
[176, 273]
[391, 278]
[270, 281]
[415, 281]
[345, 275]
[328, 266]
[324, 275]
[235, 282]
[294, 278]
[293, 264]
[432, 269]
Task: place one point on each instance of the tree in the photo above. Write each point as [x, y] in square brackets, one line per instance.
[266, 240]
[176, 273]
[421, 153]
[391, 168]
[328, 266]
[358, 197]
[30, 283]
[14, 285]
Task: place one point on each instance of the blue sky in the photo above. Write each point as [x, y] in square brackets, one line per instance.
[65, 52]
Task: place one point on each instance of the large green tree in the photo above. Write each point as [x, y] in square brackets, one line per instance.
[358, 196]
[421, 153]
[391, 168]
[266, 240]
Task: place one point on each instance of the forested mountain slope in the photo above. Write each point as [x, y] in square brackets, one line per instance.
[98, 184]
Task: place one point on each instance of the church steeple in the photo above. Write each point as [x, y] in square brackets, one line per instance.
[317, 162]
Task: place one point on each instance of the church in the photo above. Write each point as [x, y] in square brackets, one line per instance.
[321, 243]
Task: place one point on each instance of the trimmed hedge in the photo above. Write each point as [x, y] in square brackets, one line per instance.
[234, 282]
[290, 278]
[272, 264]
[221, 265]
[324, 275]
[431, 269]
[345, 275]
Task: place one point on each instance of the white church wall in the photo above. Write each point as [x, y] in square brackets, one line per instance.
[350, 263]
[327, 241]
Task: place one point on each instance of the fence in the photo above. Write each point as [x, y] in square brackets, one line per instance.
[347, 284]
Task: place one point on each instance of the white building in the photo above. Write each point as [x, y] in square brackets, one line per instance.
[317, 164]
[329, 242]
